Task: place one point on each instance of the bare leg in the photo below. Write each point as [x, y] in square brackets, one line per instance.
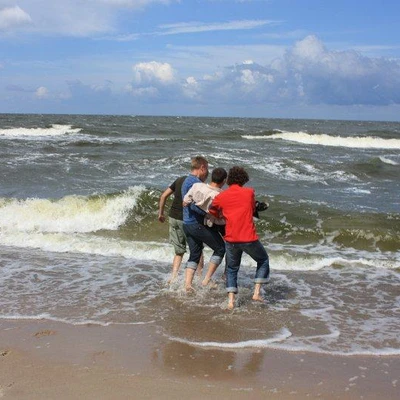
[189, 274]
[210, 272]
[200, 265]
[257, 296]
[176, 264]
[231, 300]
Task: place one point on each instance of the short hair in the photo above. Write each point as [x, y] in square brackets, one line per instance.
[218, 175]
[197, 162]
[237, 175]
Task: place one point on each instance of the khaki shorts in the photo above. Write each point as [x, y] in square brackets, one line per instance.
[176, 235]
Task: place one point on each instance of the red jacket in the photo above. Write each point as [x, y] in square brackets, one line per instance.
[237, 205]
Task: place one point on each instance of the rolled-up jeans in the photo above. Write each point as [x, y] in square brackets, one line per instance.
[234, 253]
[196, 235]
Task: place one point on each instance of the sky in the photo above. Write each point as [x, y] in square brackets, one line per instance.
[319, 59]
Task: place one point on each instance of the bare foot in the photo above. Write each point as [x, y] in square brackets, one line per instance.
[190, 289]
[211, 284]
[231, 306]
[171, 280]
[258, 298]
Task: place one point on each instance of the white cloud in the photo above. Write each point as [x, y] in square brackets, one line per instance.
[13, 17]
[153, 73]
[344, 77]
[68, 17]
[42, 92]
[196, 27]
[308, 73]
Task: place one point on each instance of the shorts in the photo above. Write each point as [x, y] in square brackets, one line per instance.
[176, 235]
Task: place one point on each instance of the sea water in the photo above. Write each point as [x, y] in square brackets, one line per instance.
[80, 241]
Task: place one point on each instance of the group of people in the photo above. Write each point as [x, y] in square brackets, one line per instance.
[222, 219]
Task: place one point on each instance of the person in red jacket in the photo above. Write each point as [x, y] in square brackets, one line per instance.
[237, 205]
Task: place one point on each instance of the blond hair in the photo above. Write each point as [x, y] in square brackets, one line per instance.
[197, 162]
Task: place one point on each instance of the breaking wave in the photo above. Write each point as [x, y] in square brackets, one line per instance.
[356, 142]
[53, 130]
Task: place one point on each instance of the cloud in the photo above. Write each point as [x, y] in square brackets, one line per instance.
[196, 27]
[68, 17]
[154, 81]
[308, 74]
[153, 72]
[13, 17]
[345, 77]
[42, 92]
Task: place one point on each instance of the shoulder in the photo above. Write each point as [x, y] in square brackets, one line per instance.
[248, 191]
[191, 180]
[198, 185]
[177, 182]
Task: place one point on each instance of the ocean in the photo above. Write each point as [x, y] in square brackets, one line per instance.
[80, 241]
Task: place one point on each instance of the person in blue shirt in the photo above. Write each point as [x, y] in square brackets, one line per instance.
[196, 232]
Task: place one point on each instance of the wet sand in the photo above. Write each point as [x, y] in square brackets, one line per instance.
[47, 360]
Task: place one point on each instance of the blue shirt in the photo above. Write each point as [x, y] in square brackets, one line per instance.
[191, 214]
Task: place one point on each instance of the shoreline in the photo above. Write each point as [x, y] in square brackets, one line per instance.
[46, 359]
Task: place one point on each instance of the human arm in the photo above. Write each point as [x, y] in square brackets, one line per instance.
[215, 209]
[161, 204]
[196, 209]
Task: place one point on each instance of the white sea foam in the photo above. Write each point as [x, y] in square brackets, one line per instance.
[54, 130]
[69, 214]
[283, 341]
[357, 142]
[283, 334]
[78, 243]
[388, 161]
[298, 258]
[48, 317]
[301, 171]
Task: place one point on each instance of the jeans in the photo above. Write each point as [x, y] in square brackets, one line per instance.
[234, 253]
[196, 235]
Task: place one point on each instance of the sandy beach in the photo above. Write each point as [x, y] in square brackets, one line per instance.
[44, 360]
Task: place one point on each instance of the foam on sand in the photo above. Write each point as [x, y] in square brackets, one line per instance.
[261, 343]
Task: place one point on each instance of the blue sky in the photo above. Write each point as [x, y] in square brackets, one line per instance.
[250, 58]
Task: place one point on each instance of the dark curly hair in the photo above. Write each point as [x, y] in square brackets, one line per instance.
[237, 175]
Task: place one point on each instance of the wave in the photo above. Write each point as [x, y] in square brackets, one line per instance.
[356, 142]
[388, 161]
[71, 214]
[299, 236]
[53, 130]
